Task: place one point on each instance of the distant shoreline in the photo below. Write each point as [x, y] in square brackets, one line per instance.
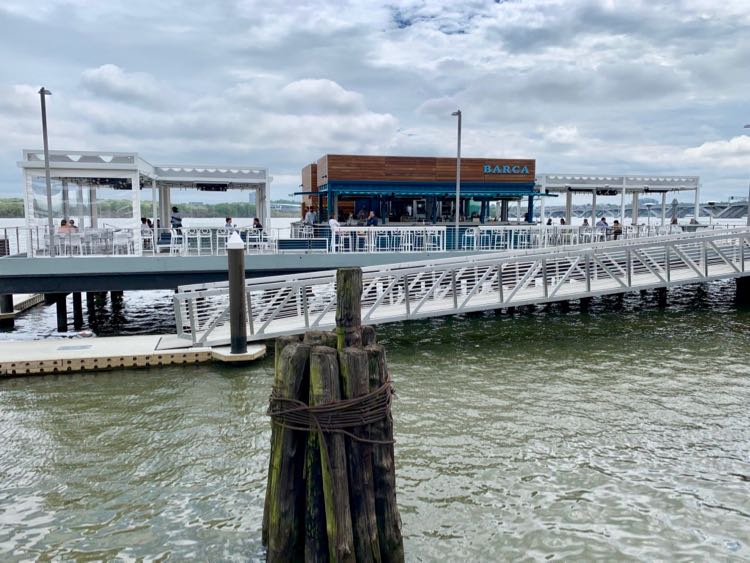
[12, 208]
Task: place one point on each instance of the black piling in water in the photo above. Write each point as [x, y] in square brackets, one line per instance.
[237, 300]
[661, 295]
[62, 312]
[77, 311]
[6, 308]
[742, 288]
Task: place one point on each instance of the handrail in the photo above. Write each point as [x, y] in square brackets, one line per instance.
[290, 304]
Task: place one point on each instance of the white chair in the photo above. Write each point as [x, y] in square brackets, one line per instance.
[433, 240]
[402, 241]
[122, 240]
[176, 243]
[253, 240]
[147, 241]
[222, 236]
[75, 241]
[381, 242]
[469, 239]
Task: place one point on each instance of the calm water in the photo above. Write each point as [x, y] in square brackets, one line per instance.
[618, 434]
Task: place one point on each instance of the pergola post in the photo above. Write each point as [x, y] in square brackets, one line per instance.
[568, 207]
[154, 206]
[65, 200]
[93, 209]
[79, 197]
[697, 201]
[541, 209]
[622, 206]
[634, 214]
[593, 207]
[663, 207]
[136, 201]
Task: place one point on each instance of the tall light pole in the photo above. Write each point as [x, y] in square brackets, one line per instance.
[457, 113]
[748, 194]
[42, 93]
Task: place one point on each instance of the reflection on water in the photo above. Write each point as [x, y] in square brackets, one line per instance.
[621, 433]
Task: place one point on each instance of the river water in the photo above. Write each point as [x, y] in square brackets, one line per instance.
[621, 433]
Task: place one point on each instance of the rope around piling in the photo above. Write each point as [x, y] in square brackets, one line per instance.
[341, 416]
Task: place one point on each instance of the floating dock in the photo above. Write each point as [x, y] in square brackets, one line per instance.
[67, 355]
[22, 302]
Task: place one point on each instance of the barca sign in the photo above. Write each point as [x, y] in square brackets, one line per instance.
[505, 169]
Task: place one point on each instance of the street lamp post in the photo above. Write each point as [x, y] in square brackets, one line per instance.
[748, 194]
[457, 113]
[43, 92]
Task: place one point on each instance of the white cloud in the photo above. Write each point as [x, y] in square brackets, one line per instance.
[580, 85]
[110, 81]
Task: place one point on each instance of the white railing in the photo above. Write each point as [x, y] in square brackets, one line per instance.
[210, 241]
[389, 239]
[293, 304]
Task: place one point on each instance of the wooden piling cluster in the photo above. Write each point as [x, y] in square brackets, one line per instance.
[331, 495]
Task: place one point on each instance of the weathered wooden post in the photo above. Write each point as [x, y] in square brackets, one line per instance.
[284, 507]
[331, 483]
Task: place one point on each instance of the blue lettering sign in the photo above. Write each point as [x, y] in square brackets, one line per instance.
[505, 169]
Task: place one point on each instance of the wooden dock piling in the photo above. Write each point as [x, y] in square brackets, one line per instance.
[331, 492]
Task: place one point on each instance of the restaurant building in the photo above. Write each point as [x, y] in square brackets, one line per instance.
[402, 189]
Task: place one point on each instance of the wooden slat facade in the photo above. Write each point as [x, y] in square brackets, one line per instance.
[309, 184]
[334, 167]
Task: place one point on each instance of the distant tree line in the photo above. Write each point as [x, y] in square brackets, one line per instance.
[11, 207]
[117, 208]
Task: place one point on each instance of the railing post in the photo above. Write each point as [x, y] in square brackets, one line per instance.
[406, 295]
[629, 267]
[704, 257]
[668, 259]
[544, 277]
[588, 274]
[453, 290]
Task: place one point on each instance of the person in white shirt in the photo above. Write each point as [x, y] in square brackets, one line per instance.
[602, 225]
[335, 226]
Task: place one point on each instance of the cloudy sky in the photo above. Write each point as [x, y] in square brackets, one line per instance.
[582, 86]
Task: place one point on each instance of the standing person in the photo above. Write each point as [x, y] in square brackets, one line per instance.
[335, 227]
[309, 217]
[176, 220]
[372, 221]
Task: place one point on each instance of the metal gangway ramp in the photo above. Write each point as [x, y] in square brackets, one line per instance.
[293, 304]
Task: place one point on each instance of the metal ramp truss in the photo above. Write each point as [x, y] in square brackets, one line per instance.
[293, 304]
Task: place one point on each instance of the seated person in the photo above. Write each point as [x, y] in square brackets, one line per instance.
[63, 229]
[228, 225]
[372, 220]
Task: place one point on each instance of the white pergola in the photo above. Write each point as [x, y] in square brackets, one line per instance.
[617, 185]
[128, 171]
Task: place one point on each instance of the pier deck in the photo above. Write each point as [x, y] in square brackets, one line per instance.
[63, 355]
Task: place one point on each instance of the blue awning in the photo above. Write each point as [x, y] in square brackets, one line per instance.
[425, 189]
